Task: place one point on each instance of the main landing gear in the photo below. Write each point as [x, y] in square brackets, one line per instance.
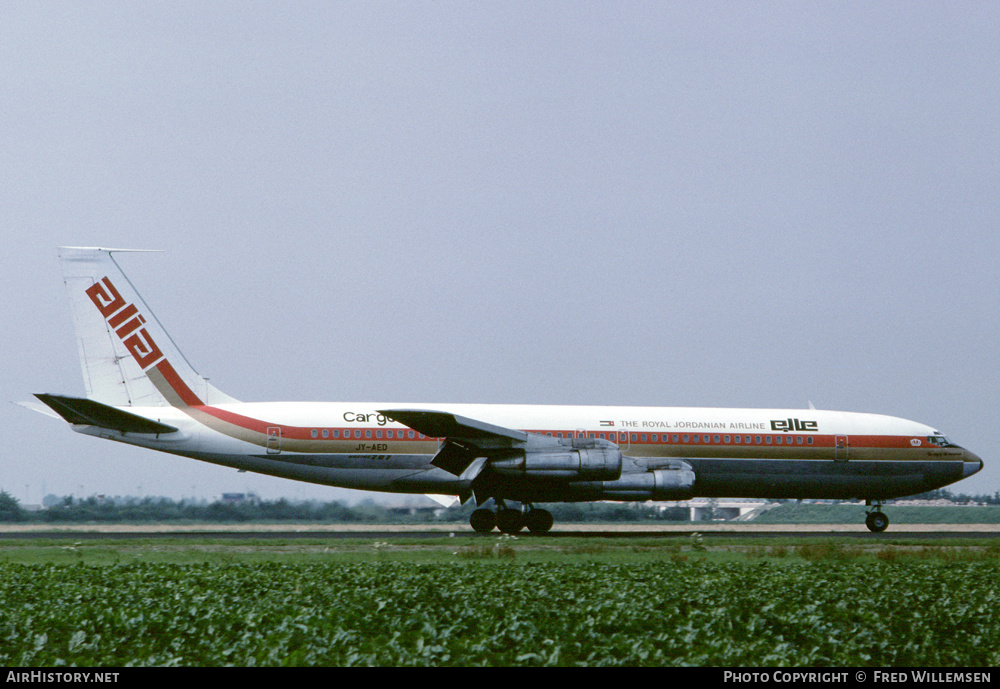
[511, 520]
[876, 521]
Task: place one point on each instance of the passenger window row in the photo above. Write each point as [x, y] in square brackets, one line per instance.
[664, 438]
[378, 434]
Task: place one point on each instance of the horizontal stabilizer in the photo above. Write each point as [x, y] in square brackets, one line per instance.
[82, 411]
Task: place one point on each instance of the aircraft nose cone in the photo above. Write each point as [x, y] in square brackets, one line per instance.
[972, 464]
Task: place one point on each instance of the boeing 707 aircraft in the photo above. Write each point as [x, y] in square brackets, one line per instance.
[508, 458]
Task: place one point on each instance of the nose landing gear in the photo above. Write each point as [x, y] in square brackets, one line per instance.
[876, 521]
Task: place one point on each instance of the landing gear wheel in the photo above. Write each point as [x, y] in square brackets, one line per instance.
[877, 522]
[483, 520]
[539, 521]
[510, 521]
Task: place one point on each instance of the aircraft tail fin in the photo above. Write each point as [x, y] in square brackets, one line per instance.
[127, 357]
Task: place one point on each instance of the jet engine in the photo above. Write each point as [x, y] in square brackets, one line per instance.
[583, 460]
[673, 480]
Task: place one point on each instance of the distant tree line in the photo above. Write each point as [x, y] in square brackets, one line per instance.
[69, 509]
[945, 494]
[154, 509]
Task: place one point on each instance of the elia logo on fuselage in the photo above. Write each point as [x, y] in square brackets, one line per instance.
[789, 425]
[126, 321]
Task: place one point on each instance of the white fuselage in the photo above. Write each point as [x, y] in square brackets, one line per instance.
[734, 452]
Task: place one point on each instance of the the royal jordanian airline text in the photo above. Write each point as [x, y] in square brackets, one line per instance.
[777, 425]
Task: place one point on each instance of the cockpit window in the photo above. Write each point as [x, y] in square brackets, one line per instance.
[939, 440]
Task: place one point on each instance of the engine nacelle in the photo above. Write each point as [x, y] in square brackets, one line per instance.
[675, 483]
[578, 464]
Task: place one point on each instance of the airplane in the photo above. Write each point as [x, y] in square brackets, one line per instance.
[140, 390]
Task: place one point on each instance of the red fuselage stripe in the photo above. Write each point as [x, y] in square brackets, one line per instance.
[190, 399]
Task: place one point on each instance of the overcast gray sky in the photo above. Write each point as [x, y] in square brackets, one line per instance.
[669, 204]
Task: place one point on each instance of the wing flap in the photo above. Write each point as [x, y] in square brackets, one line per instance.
[82, 411]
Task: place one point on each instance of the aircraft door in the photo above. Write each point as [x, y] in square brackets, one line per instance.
[274, 440]
[841, 447]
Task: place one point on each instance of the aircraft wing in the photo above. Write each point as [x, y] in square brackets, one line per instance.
[472, 446]
[87, 412]
[465, 439]
[439, 424]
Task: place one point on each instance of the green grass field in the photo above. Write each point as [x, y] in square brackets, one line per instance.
[500, 601]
